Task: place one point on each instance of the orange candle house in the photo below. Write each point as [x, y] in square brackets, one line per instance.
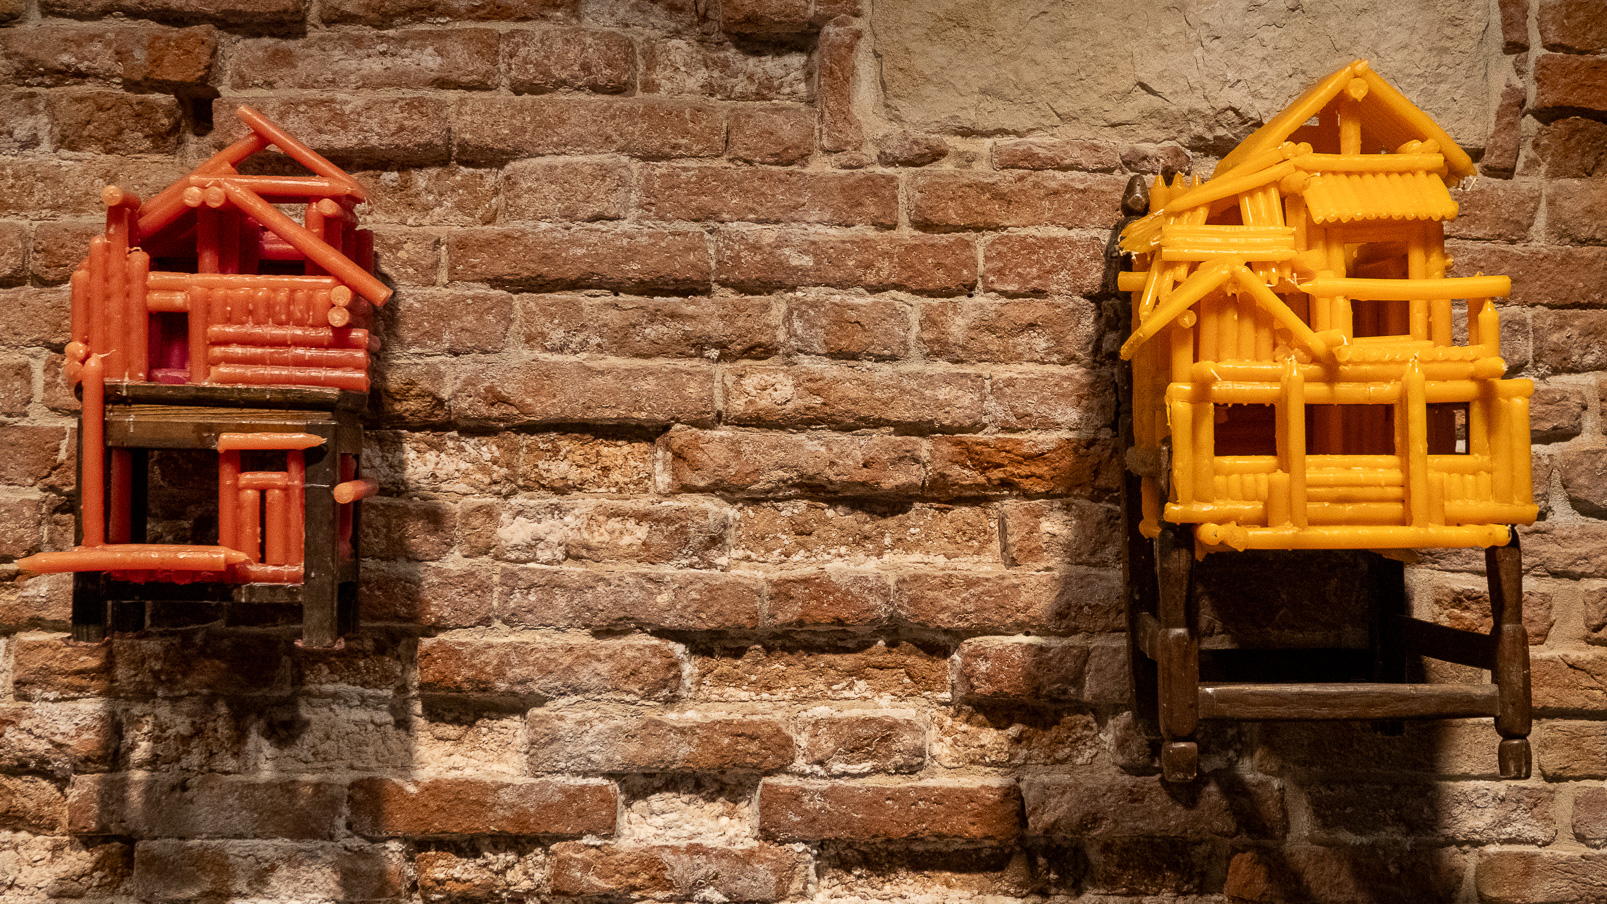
[207, 318]
[1295, 385]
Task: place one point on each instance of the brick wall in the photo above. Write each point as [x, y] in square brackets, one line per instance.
[749, 529]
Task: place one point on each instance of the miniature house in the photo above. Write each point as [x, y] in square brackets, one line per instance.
[206, 318]
[1297, 382]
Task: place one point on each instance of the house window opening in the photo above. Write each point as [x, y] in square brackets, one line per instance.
[1448, 428]
[1246, 430]
[1350, 429]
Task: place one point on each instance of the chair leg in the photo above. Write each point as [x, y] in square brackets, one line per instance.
[1178, 662]
[1504, 571]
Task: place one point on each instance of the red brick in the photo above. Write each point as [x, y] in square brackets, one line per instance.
[430, 196]
[1055, 154]
[493, 131]
[691, 534]
[582, 257]
[668, 16]
[698, 69]
[440, 596]
[1495, 210]
[911, 149]
[28, 126]
[726, 194]
[388, 807]
[13, 250]
[963, 736]
[838, 50]
[1556, 412]
[587, 59]
[407, 256]
[866, 670]
[566, 189]
[761, 258]
[442, 59]
[1154, 158]
[1514, 25]
[1464, 603]
[1067, 398]
[1079, 602]
[1569, 681]
[1540, 877]
[802, 810]
[695, 327]
[590, 741]
[35, 317]
[16, 385]
[1569, 750]
[798, 532]
[385, 132]
[21, 519]
[72, 187]
[859, 742]
[412, 529]
[1476, 812]
[758, 872]
[204, 806]
[1567, 82]
[31, 804]
[1573, 211]
[979, 200]
[1562, 550]
[1048, 534]
[1028, 668]
[1590, 816]
[245, 14]
[1115, 805]
[136, 56]
[764, 17]
[1506, 137]
[1052, 264]
[1572, 148]
[411, 393]
[772, 133]
[631, 668]
[59, 247]
[1578, 25]
[838, 327]
[555, 392]
[847, 398]
[455, 321]
[1348, 874]
[11, 10]
[388, 13]
[1156, 866]
[1029, 331]
[831, 598]
[1570, 341]
[1584, 478]
[39, 457]
[56, 738]
[678, 601]
[200, 661]
[769, 464]
[171, 870]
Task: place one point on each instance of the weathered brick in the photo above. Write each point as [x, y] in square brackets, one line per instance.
[837, 50]
[534, 596]
[1465, 604]
[859, 742]
[1477, 812]
[412, 529]
[1443, 749]
[407, 256]
[13, 248]
[1068, 398]
[775, 464]
[830, 598]
[551, 532]
[1495, 210]
[848, 397]
[1030, 668]
[804, 810]
[1349, 874]
[1506, 137]
[590, 741]
[442, 59]
[848, 327]
[1556, 412]
[450, 876]
[1514, 25]
[583, 463]
[966, 466]
[632, 668]
[1564, 550]
[246, 14]
[152, 805]
[1590, 816]
[1051, 534]
[56, 738]
[997, 736]
[135, 56]
[696, 327]
[1568, 82]
[1047, 331]
[578, 190]
[764, 195]
[1567, 750]
[493, 131]
[388, 13]
[1068, 264]
[383, 132]
[1567, 341]
[21, 520]
[412, 394]
[72, 187]
[980, 200]
[1055, 154]
[1573, 211]
[31, 804]
[174, 870]
[755, 872]
[798, 532]
[1572, 148]
[698, 69]
[1116, 805]
[1540, 877]
[34, 317]
[771, 133]
[430, 196]
[557, 391]
[37, 456]
[59, 247]
[586, 257]
[761, 258]
[1569, 681]
[466, 806]
[87, 867]
[585, 59]
[911, 149]
[834, 673]
[461, 320]
[199, 661]
[764, 17]
[1077, 602]
[440, 596]
[1578, 25]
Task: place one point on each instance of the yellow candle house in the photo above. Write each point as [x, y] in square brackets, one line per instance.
[1293, 335]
